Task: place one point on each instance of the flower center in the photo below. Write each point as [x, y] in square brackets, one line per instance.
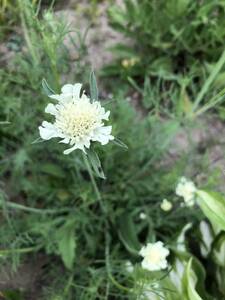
[77, 119]
[154, 256]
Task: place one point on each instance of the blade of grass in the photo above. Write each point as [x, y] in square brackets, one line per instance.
[209, 81]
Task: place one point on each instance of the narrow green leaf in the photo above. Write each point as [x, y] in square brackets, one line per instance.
[95, 163]
[47, 90]
[128, 235]
[38, 140]
[93, 87]
[119, 143]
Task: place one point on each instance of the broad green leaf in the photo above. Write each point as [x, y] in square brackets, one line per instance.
[93, 87]
[66, 243]
[213, 206]
[119, 143]
[207, 237]
[218, 250]
[95, 163]
[176, 274]
[48, 91]
[194, 281]
[181, 246]
[190, 281]
[128, 235]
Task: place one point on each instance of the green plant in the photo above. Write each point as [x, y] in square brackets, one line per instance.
[88, 228]
[161, 44]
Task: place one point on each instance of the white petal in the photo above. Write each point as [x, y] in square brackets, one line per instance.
[86, 142]
[72, 90]
[142, 252]
[51, 109]
[62, 98]
[67, 89]
[76, 90]
[48, 131]
[76, 146]
[65, 141]
[106, 115]
[56, 97]
[102, 135]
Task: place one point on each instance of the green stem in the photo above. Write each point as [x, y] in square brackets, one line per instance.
[31, 209]
[108, 267]
[95, 187]
[19, 250]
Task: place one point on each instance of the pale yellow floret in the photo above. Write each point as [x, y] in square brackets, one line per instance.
[74, 120]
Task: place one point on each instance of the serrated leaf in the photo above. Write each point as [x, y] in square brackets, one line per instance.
[66, 243]
[119, 143]
[128, 235]
[93, 87]
[95, 163]
[47, 89]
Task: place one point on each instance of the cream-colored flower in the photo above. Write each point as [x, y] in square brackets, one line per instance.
[186, 189]
[154, 256]
[166, 205]
[128, 63]
[142, 216]
[78, 121]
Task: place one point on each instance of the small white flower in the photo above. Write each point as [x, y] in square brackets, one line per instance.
[78, 121]
[154, 256]
[186, 189]
[129, 266]
[166, 205]
[142, 216]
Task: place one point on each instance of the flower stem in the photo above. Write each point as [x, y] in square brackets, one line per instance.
[94, 184]
[18, 206]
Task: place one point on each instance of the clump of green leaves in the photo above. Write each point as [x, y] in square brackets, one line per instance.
[47, 201]
[168, 37]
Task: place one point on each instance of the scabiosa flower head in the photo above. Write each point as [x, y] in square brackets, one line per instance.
[154, 256]
[186, 189]
[166, 205]
[78, 121]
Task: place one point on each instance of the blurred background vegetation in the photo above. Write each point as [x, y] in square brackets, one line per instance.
[164, 85]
